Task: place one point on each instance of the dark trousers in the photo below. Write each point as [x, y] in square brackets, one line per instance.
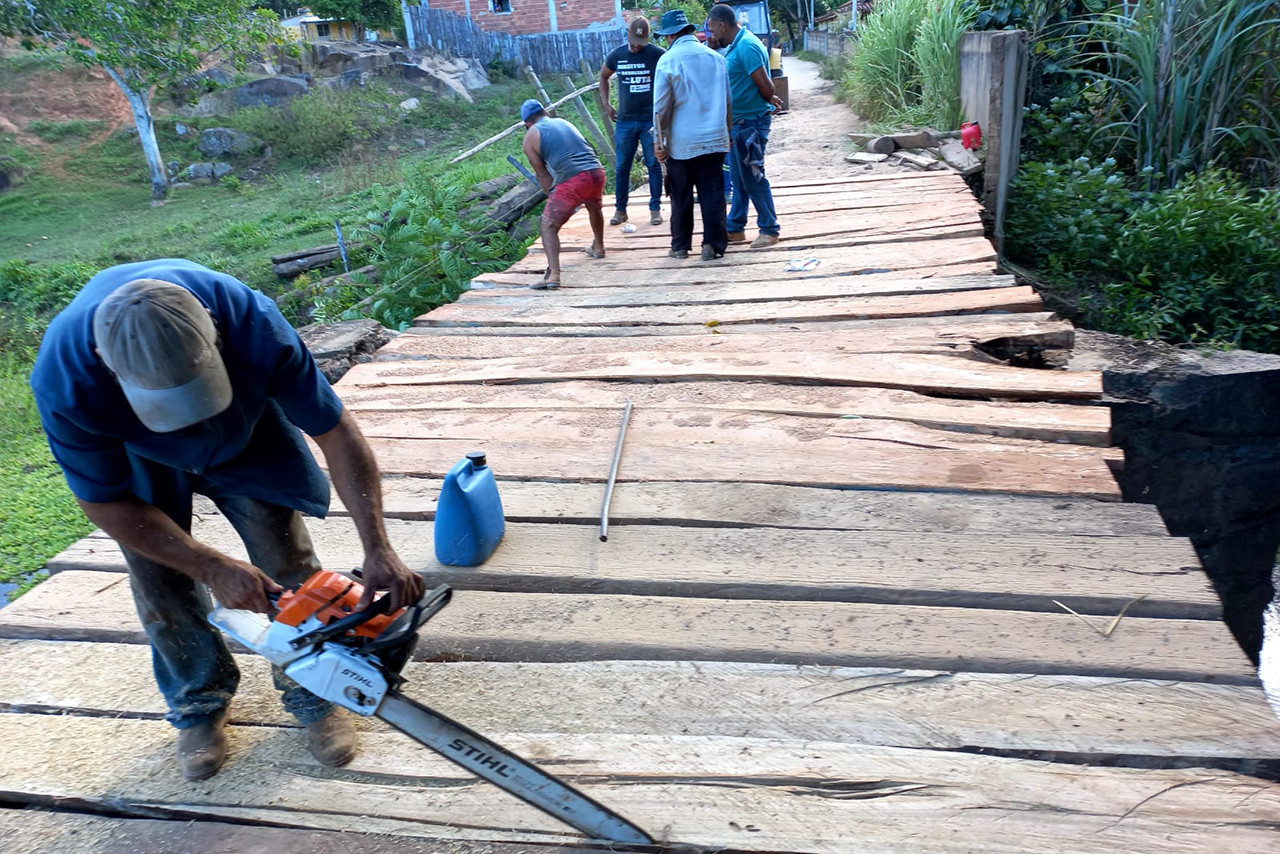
[193, 668]
[706, 173]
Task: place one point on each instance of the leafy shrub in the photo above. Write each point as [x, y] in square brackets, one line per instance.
[425, 255]
[310, 130]
[1200, 263]
[1064, 216]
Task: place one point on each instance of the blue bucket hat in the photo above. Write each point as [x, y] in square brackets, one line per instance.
[531, 108]
[674, 21]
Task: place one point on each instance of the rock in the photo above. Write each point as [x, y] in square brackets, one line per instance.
[420, 142]
[268, 92]
[217, 76]
[1201, 440]
[220, 142]
[222, 170]
[181, 185]
[428, 78]
[172, 168]
[181, 130]
[201, 173]
[410, 104]
[11, 172]
[338, 346]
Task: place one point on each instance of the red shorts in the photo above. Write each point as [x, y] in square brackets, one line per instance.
[582, 189]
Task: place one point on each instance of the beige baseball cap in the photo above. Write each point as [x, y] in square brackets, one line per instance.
[162, 346]
[638, 32]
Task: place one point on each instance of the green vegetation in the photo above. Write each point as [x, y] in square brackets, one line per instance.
[58, 131]
[905, 67]
[1139, 200]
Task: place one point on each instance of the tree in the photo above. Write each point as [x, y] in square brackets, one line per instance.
[369, 14]
[141, 44]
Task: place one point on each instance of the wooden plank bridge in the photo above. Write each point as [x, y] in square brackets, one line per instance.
[868, 584]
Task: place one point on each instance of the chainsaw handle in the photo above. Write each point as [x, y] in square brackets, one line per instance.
[338, 628]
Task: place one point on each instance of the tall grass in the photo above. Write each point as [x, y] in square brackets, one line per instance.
[937, 52]
[1191, 84]
[905, 68]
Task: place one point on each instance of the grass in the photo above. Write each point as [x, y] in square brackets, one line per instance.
[38, 516]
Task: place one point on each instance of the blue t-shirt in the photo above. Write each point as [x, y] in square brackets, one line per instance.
[253, 449]
[744, 56]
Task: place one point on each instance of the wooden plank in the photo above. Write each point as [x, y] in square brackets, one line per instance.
[879, 256]
[708, 446]
[549, 313]
[589, 277]
[1085, 425]
[730, 793]
[923, 373]
[752, 292]
[768, 505]
[550, 627]
[38, 831]
[1153, 577]
[1142, 723]
[946, 334]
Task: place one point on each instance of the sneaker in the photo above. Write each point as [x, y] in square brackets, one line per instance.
[710, 254]
[619, 218]
[737, 237]
[332, 740]
[655, 218]
[764, 240]
[203, 748]
[678, 253]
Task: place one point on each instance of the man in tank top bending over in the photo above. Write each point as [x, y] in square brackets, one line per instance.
[572, 175]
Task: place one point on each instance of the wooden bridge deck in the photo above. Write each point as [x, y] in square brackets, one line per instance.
[831, 615]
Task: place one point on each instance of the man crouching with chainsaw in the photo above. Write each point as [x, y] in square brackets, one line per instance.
[163, 379]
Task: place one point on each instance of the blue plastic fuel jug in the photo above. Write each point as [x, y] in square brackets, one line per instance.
[469, 523]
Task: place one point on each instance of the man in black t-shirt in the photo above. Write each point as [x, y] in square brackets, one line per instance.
[633, 63]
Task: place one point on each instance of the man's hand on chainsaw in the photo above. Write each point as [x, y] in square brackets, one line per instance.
[240, 585]
[383, 570]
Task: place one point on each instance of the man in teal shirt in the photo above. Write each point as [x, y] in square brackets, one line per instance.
[751, 89]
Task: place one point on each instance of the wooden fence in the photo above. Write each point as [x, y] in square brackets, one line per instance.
[827, 44]
[546, 52]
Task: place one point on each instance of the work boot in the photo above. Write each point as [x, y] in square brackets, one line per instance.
[678, 253]
[619, 217]
[332, 740]
[764, 240]
[737, 237]
[655, 217]
[710, 254]
[203, 748]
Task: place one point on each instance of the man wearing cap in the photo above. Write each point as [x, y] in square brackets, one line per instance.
[163, 379]
[691, 121]
[751, 89]
[572, 175]
[634, 63]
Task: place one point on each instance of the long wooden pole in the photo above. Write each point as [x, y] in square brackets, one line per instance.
[515, 127]
[542, 92]
[606, 146]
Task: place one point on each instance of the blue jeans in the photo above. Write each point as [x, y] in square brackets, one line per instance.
[746, 187]
[193, 667]
[627, 133]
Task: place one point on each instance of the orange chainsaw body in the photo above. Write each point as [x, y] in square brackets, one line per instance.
[328, 596]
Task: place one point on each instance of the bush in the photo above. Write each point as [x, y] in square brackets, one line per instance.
[1064, 217]
[58, 131]
[1200, 263]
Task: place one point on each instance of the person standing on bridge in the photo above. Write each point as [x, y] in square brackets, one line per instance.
[568, 169]
[754, 101]
[634, 64]
[691, 121]
[163, 379]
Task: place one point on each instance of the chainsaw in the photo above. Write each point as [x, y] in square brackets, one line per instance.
[353, 659]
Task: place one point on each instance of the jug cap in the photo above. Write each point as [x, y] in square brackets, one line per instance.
[477, 459]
